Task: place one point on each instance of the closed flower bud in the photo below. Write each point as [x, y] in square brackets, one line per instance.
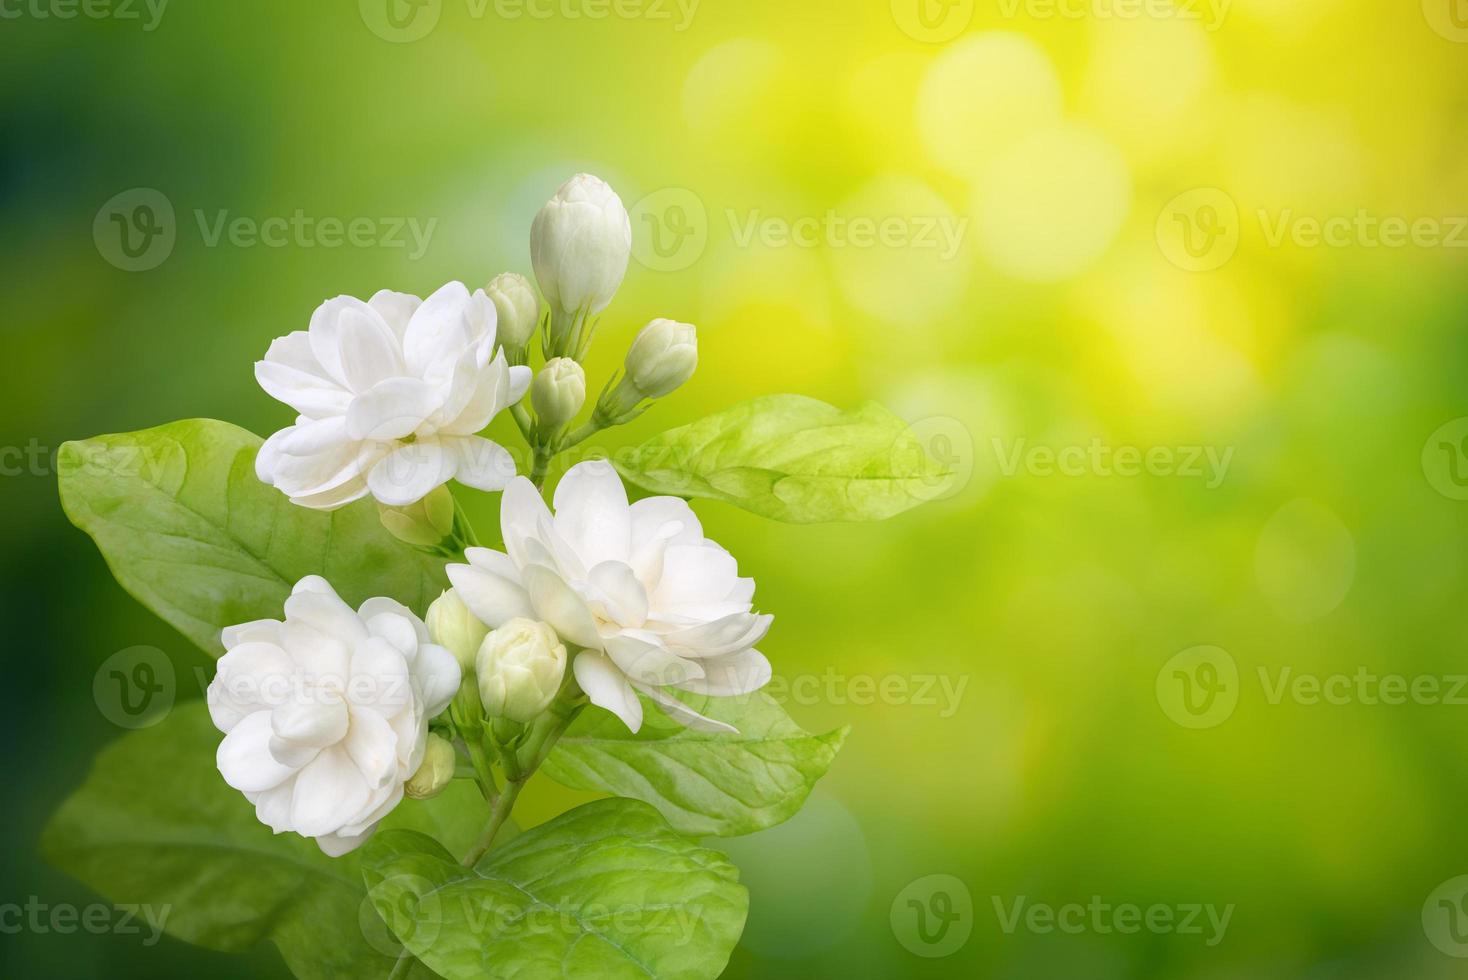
[517, 310]
[558, 392]
[520, 669]
[424, 524]
[579, 244]
[436, 771]
[663, 357]
[452, 626]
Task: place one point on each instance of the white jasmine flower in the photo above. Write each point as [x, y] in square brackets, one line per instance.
[653, 602]
[326, 714]
[390, 393]
[580, 243]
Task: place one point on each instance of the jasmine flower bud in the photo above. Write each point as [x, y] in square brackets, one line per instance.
[662, 357]
[518, 312]
[558, 392]
[520, 668]
[579, 244]
[436, 770]
[453, 627]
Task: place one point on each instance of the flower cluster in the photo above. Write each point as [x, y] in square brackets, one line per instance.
[332, 715]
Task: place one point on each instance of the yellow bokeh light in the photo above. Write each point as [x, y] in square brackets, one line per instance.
[983, 94]
[1049, 206]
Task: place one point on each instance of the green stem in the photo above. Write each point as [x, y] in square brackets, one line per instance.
[401, 967]
[503, 804]
[522, 419]
[482, 768]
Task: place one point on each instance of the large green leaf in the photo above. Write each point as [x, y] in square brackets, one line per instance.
[702, 783]
[793, 459]
[188, 529]
[154, 824]
[606, 890]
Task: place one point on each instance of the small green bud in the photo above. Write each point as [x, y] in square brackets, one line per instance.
[436, 770]
[558, 392]
[424, 524]
[520, 668]
[453, 627]
[517, 309]
[662, 357]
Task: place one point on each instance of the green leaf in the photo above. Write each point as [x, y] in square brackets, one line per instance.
[793, 459]
[606, 890]
[154, 824]
[702, 783]
[189, 530]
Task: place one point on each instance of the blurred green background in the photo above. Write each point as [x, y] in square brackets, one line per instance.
[1130, 190]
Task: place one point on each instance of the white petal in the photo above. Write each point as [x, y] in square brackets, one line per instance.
[522, 511]
[480, 463]
[324, 333]
[396, 309]
[317, 721]
[520, 376]
[251, 676]
[392, 409]
[309, 395]
[437, 676]
[493, 600]
[396, 629]
[409, 473]
[732, 674]
[649, 663]
[244, 757]
[380, 605]
[369, 351]
[328, 793]
[496, 562]
[592, 515]
[559, 605]
[664, 517]
[273, 807]
[373, 747]
[438, 333]
[624, 593]
[255, 631]
[694, 574]
[683, 714]
[315, 603]
[607, 688]
[728, 634]
[478, 396]
[380, 679]
[336, 845]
